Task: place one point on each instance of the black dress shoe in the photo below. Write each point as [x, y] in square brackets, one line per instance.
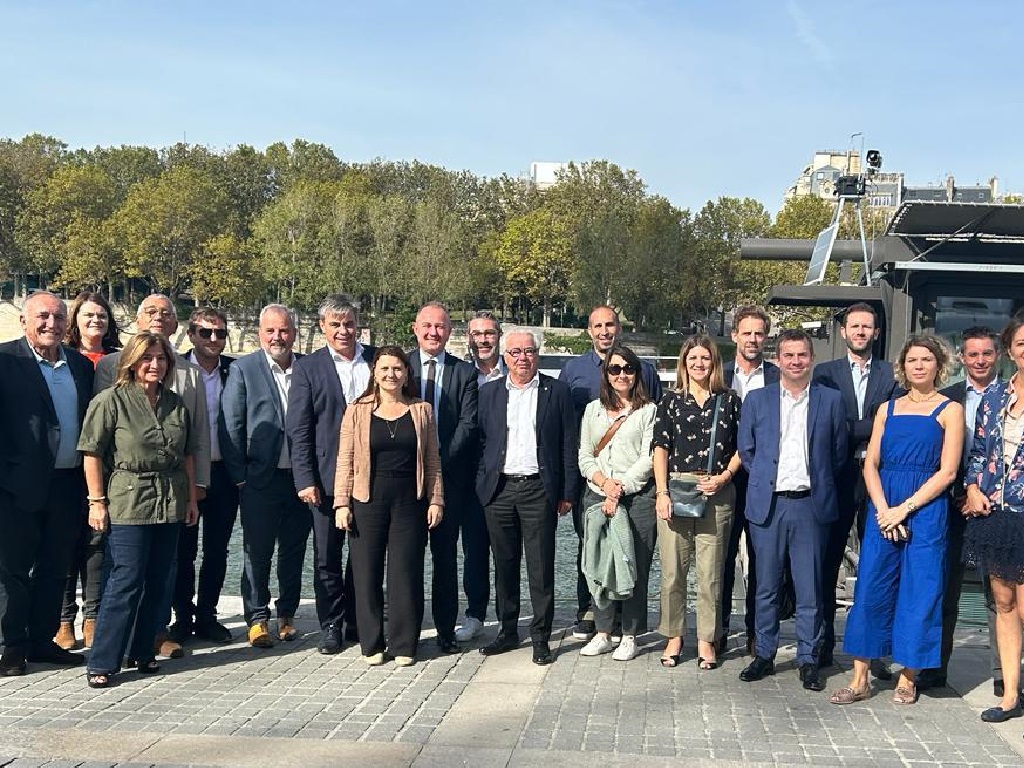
[759, 668]
[542, 653]
[330, 640]
[180, 631]
[928, 679]
[810, 678]
[12, 663]
[448, 645]
[1000, 715]
[500, 644]
[880, 670]
[213, 631]
[51, 653]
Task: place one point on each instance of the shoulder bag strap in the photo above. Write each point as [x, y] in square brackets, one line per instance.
[609, 434]
[714, 433]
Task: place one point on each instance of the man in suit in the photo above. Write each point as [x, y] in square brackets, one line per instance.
[864, 382]
[792, 440]
[208, 332]
[745, 373]
[527, 479]
[44, 391]
[583, 375]
[157, 314]
[449, 385]
[484, 351]
[258, 459]
[323, 384]
[979, 355]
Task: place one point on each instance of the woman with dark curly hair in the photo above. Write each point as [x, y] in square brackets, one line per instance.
[994, 539]
[912, 457]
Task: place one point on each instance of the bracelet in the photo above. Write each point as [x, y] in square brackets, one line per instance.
[95, 498]
[663, 493]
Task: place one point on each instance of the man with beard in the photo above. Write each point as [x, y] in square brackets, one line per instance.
[747, 372]
[256, 451]
[583, 375]
[864, 383]
[484, 338]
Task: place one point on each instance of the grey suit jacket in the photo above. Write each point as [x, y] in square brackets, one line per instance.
[189, 385]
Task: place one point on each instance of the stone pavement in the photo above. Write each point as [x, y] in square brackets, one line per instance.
[233, 705]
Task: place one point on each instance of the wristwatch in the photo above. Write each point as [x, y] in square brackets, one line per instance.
[911, 506]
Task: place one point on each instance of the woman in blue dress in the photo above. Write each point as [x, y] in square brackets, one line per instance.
[913, 455]
[994, 538]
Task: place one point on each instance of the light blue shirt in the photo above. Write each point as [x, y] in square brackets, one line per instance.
[64, 395]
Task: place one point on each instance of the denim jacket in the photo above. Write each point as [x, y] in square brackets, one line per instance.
[985, 466]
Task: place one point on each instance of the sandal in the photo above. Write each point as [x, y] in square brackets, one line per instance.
[670, 661]
[97, 680]
[850, 695]
[904, 695]
[706, 664]
[149, 667]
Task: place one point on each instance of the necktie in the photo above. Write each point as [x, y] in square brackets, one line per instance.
[431, 385]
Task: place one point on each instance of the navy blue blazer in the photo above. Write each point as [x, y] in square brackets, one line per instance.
[758, 444]
[771, 373]
[557, 439]
[28, 421]
[251, 422]
[836, 375]
[316, 405]
[457, 407]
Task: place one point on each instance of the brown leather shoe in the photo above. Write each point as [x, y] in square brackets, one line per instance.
[259, 635]
[286, 629]
[164, 646]
[88, 631]
[65, 637]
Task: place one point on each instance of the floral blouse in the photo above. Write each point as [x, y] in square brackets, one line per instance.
[683, 428]
[1002, 484]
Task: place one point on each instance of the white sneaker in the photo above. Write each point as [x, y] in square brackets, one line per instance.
[626, 650]
[598, 645]
[470, 628]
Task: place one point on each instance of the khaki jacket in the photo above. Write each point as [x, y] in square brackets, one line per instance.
[352, 476]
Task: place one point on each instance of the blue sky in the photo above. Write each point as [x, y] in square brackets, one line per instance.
[701, 98]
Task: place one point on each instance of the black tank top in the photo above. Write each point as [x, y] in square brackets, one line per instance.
[393, 445]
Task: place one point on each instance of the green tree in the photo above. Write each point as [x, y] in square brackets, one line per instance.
[534, 255]
[228, 273]
[717, 231]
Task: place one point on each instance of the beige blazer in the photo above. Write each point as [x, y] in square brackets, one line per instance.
[352, 477]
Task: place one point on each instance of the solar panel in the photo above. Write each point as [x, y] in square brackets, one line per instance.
[820, 255]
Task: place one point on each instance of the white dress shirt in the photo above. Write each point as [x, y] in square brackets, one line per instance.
[742, 383]
[495, 373]
[521, 421]
[283, 379]
[860, 378]
[794, 469]
[353, 374]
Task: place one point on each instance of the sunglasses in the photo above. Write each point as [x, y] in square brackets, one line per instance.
[212, 333]
[616, 369]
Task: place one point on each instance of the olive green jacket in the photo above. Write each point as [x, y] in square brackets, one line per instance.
[143, 451]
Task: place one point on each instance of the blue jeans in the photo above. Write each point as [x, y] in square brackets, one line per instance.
[140, 557]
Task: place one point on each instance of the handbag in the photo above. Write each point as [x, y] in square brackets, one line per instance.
[687, 500]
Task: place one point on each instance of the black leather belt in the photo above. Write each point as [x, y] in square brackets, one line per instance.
[520, 478]
[793, 494]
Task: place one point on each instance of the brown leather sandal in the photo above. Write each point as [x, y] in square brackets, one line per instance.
[850, 695]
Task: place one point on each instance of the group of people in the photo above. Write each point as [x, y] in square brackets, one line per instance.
[112, 457]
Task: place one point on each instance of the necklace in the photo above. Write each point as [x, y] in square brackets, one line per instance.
[392, 427]
[910, 396]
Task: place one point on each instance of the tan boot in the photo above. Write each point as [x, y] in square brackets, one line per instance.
[88, 630]
[66, 636]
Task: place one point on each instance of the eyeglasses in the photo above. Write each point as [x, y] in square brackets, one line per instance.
[516, 353]
[617, 369]
[154, 312]
[212, 333]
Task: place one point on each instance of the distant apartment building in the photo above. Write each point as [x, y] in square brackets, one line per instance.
[545, 175]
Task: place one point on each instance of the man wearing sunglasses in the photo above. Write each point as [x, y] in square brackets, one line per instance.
[208, 332]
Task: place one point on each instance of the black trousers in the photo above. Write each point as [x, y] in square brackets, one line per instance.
[332, 580]
[476, 557]
[739, 525]
[520, 518]
[851, 498]
[954, 580]
[444, 555]
[391, 527]
[273, 515]
[36, 551]
[217, 513]
[87, 569]
[583, 597]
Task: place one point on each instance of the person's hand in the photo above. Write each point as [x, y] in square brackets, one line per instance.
[896, 534]
[663, 506]
[712, 484]
[563, 507]
[608, 506]
[200, 492]
[192, 513]
[889, 517]
[612, 489]
[99, 517]
[310, 495]
[977, 504]
[435, 513]
[343, 518]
